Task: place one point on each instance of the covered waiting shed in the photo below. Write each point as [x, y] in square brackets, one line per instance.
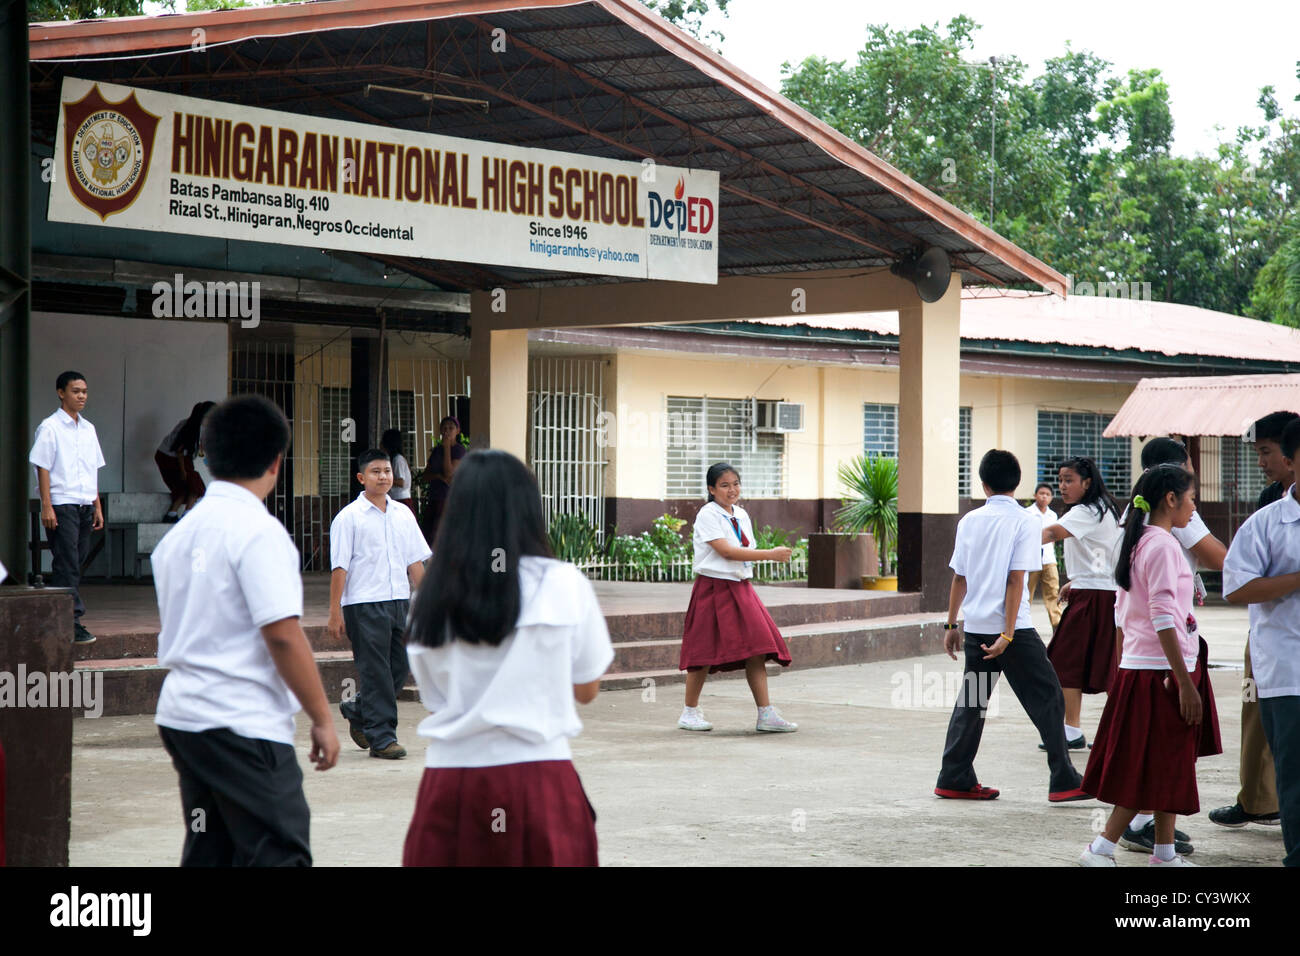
[1205, 409]
[807, 220]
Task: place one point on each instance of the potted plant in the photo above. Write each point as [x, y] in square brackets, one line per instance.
[872, 506]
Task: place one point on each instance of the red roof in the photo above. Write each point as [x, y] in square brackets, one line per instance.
[1204, 405]
[1092, 322]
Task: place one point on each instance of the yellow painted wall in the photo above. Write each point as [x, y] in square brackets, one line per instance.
[1004, 414]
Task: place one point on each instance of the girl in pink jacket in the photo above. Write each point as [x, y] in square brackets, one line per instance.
[1153, 727]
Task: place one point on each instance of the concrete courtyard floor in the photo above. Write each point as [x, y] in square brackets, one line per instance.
[851, 787]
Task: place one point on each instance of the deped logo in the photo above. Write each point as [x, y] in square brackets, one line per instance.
[681, 213]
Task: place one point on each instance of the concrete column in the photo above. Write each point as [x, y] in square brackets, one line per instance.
[928, 396]
[498, 382]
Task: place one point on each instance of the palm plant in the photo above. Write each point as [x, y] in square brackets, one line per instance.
[872, 502]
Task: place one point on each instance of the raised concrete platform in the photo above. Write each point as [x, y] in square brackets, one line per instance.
[823, 627]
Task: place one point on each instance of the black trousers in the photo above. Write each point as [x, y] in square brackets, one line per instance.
[1033, 680]
[377, 631]
[1281, 718]
[242, 798]
[69, 547]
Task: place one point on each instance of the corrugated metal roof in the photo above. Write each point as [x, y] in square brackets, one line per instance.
[1204, 405]
[599, 77]
[1091, 322]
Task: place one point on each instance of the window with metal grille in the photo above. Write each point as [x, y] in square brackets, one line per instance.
[963, 452]
[1064, 435]
[1240, 476]
[880, 437]
[880, 430]
[702, 431]
[401, 415]
[335, 454]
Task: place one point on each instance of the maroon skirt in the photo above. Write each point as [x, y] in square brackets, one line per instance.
[1083, 648]
[1144, 755]
[517, 814]
[726, 624]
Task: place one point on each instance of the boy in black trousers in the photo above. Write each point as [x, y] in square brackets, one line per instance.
[230, 598]
[997, 546]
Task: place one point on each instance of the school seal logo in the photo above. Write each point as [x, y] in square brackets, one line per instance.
[107, 147]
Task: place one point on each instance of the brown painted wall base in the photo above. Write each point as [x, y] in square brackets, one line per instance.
[36, 635]
[924, 549]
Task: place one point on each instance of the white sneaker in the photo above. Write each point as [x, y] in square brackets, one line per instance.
[1088, 858]
[770, 721]
[1154, 860]
[693, 719]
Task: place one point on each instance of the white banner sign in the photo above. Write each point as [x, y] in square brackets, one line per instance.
[144, 160]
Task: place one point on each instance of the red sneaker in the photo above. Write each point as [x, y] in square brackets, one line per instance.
[1066, 796]
[976, 792]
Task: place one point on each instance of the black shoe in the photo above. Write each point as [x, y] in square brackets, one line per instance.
[1078, 743]
[1236, 817]
[1144, 840]
[81, 636]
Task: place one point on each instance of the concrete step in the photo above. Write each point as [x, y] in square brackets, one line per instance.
[131, 684]
[135, 507]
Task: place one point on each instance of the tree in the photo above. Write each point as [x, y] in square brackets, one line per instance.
[45, 11]
[688, 14]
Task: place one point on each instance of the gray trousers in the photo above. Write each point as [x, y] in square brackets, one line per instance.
[377, 632]
[69, 547]
[1033, 680]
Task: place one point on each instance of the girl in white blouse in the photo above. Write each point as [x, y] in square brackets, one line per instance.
[726, 626]
[503, 640]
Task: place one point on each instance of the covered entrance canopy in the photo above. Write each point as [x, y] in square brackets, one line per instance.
[808, 221]
[1204, 405]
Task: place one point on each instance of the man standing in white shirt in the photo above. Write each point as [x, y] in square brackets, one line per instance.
[377, 553]
[67, 458]
[230, 600]
[1051, 580]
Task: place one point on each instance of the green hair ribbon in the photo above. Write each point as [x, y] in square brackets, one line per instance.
[1140, 504]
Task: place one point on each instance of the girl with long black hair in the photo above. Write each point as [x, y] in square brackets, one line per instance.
[1160, 713]
[503, 640]
[1083, 646]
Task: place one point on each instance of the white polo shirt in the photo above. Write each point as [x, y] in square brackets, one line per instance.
[992, 541]
[513, 703]
[401, 472]
[221, 575]
[69, 450]
[713, 523]
[1092, 549]
[375, 548]
[1046, 519]
[1266, 545]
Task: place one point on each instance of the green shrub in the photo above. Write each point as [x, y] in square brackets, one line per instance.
[572, 538]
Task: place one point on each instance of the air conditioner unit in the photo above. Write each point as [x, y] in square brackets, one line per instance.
[770, 416]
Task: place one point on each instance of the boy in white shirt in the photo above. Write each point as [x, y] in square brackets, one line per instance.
[1263, 570]
[997, 546]
[67, 458]
[377, 553]
[230, 599]
[1041, 509]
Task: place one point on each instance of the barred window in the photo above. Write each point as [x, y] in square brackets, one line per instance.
[963, 452]
[335, 454]
[701, 431]
[1240, 475]
[1064, 435]
[880, 437]
[880, 430]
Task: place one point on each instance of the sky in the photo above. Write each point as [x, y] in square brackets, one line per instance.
[1215, 57]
